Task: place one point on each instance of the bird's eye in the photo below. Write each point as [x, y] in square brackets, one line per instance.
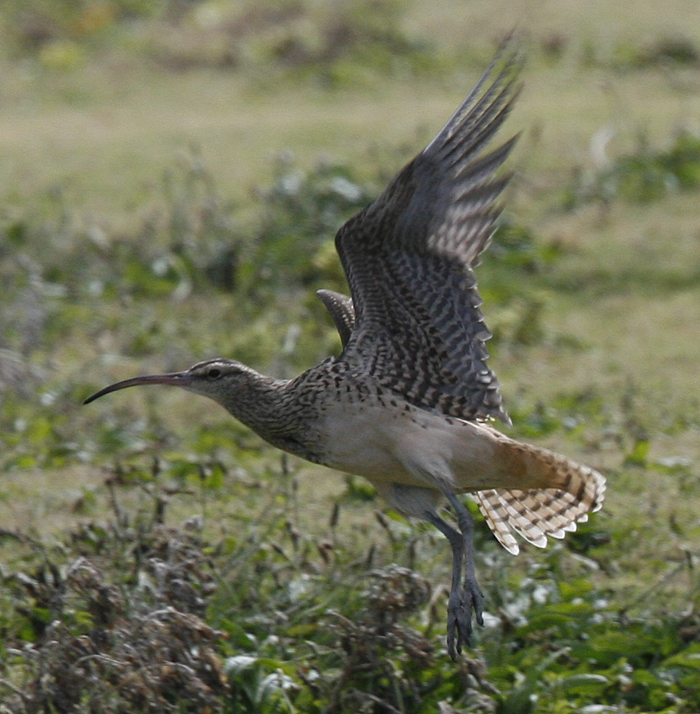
[214, 373]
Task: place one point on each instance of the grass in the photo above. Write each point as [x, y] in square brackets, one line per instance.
[146, 225]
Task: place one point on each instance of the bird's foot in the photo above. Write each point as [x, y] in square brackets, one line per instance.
[459, 616]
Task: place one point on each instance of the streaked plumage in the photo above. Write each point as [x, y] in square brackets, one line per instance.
[407, 401]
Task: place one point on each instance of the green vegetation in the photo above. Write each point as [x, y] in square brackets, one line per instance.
[643, 176]
[157, 557]
[323, 42]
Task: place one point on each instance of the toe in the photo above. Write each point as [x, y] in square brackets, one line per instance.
[459, 626]
[474, 600]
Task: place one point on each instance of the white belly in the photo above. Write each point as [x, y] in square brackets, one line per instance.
[413, 448]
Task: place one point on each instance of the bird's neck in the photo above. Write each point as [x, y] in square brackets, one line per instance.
[268, 406]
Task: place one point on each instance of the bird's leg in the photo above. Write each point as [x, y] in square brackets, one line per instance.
[463, 597]
[458, 618]
[474, 598]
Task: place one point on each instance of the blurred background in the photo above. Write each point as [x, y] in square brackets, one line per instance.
[172, 174]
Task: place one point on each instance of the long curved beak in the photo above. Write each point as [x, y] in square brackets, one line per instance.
[175, 379]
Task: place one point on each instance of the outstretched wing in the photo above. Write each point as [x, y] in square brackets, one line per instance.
[409, 256]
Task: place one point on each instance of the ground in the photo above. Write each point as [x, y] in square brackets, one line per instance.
[163, 204]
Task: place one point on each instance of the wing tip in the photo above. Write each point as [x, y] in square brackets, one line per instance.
[512, 60]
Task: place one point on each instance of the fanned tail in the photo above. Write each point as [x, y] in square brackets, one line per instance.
[535, 514]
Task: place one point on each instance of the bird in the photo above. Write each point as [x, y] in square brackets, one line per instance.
[410, 402]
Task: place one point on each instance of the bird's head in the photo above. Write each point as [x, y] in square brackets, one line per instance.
[218, 379]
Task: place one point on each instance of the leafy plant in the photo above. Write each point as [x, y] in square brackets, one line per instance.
[644, 176]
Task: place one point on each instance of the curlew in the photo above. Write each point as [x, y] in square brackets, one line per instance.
[409, 401]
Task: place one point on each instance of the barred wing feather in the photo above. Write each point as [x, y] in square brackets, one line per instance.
[409, 257]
